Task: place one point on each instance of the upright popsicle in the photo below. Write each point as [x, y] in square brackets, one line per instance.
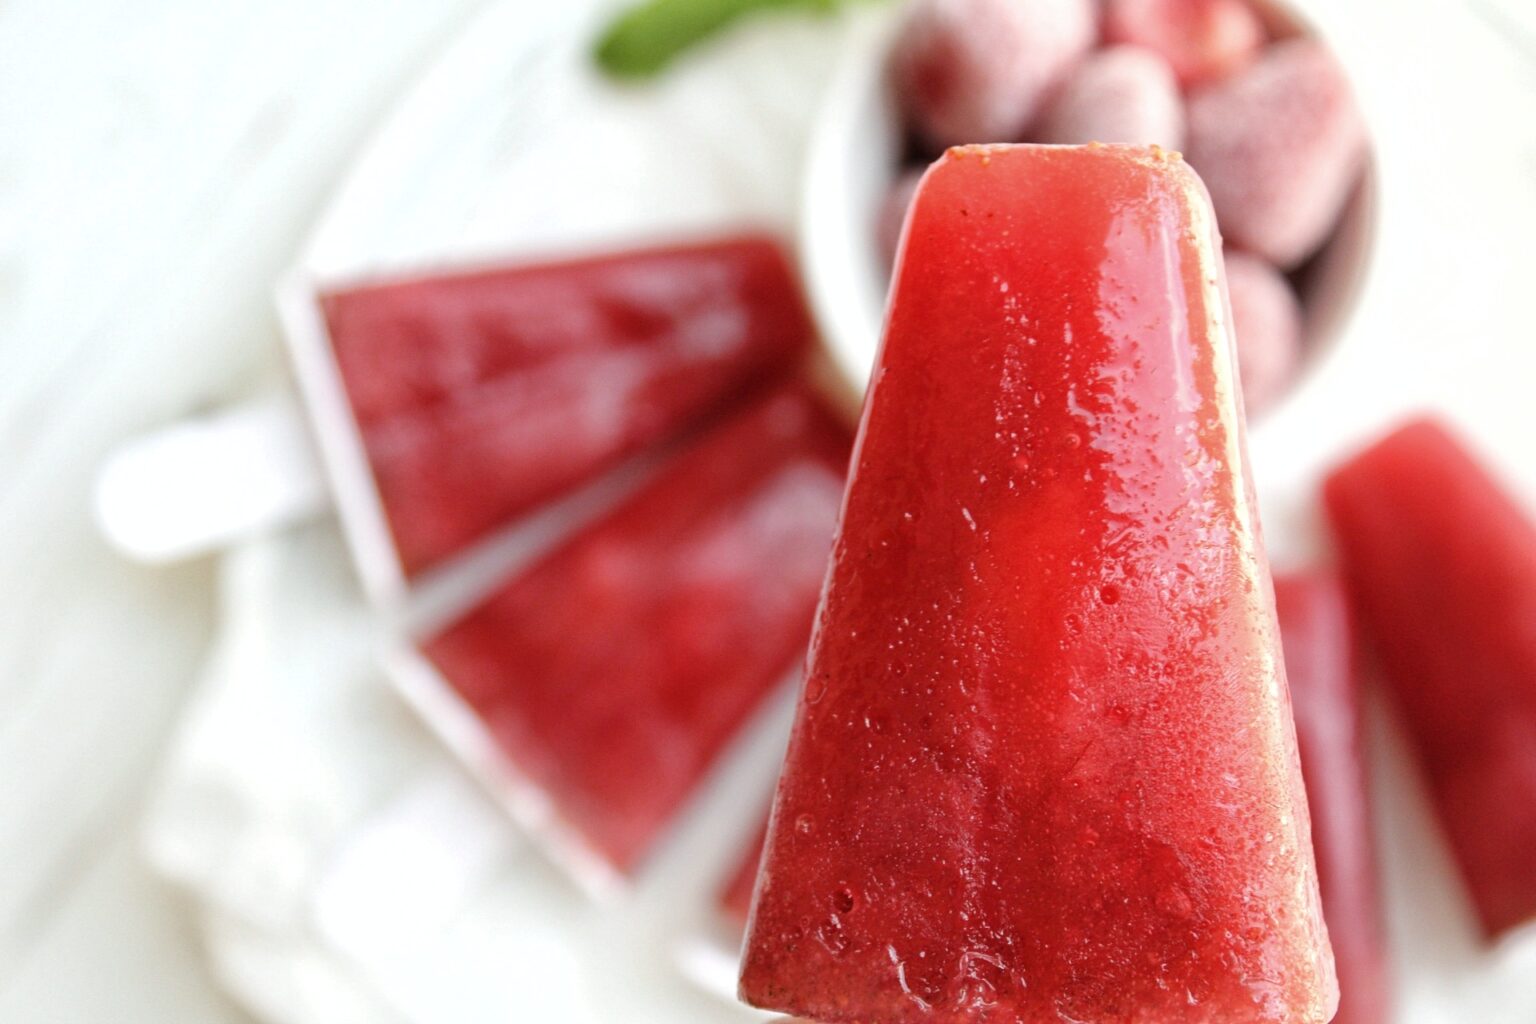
[613, 672]
[1320, 665]
[479, 395]
[1441, 566]
[1043, 767]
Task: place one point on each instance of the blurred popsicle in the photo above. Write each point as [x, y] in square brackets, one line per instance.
[1441, 566]
[612, 673]
[1043, 767]
[1330, 730]
[479, 395]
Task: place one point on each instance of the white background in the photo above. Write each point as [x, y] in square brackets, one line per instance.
[160, 161]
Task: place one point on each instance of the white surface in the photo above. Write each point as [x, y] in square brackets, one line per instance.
[159, 163]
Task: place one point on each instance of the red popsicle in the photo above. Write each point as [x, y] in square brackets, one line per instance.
[480, 395]
[613, 672]
[1043, 767]
[1320, 664]
[1441, 566]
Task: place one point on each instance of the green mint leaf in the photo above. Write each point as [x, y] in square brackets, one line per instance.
[646, 38]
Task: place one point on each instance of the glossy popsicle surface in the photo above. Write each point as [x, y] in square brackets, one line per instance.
[1320, 664]
[478, 395]
[613, 672]
[1441, 567]
[1043, 767]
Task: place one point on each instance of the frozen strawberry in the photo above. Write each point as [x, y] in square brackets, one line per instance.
[978, 70]
[1266, 317]
[1201, 38]
[1120, 94]
[893, 213]
[1280, 146]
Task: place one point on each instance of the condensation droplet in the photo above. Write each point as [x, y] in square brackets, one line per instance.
[1175, 902]
[815, 688]
[831, 935]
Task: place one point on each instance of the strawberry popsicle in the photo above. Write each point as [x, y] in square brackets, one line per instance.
[1320, 665]
[613, 672]
[479, 395]
[1441, 567]
[1043, 767]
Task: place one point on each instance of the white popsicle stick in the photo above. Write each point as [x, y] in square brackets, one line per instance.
[197, 485]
